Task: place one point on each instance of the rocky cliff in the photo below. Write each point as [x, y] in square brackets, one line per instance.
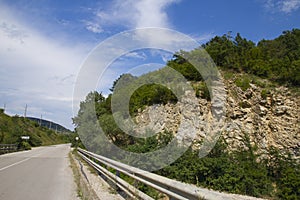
[268, 116]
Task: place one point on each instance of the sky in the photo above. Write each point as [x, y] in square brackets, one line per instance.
[44, 43]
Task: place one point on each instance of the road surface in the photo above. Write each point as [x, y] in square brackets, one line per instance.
[42, 173]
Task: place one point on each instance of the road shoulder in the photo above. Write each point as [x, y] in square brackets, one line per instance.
[90, 185]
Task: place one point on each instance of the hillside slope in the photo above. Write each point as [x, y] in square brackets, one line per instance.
[258, 153]
[12, 128]
[268, 115]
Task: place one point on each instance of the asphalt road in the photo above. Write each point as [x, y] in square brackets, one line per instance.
[42, 173]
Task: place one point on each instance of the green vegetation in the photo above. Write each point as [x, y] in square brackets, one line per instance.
[148, 95]
[185, 68]
[239, 172]
[265, 93]
[110, 128]
[12, 128]
[24, 145]
[143, 145]
[243, 171]
[243, 83]
[202, 90]
[277, 60]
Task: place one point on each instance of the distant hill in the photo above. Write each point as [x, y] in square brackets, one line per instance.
[51, 125]
[13, 127]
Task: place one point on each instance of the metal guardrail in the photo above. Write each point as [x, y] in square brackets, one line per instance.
[172, 188]
[7, 148]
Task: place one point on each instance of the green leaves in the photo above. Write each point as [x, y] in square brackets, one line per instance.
[149, 95]
[238, 172]
[289, 184]
[276, 59]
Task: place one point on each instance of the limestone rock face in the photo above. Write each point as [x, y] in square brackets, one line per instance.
[270, 120]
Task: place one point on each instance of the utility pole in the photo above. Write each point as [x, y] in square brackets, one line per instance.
[25, 112]
[4, 107]
[41, 120]
[50, 125]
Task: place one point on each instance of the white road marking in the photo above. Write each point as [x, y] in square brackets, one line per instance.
[14, 164]
[19, 162]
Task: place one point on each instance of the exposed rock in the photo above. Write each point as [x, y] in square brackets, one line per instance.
[260, 110]
[272, 121]
[280, 109]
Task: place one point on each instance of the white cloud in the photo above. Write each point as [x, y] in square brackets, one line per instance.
[152, 13]
[284, 6]
[40, 70]
[136, 55]
[288, 6]
[269, 4]
[11, 31]
[36, 70]
[93, 27]
[142, 14]
[164, 55]
[137, 14]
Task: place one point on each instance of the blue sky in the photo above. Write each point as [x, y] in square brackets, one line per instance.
[43, 43]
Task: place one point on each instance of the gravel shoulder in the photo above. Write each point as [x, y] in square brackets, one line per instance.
[91, 185]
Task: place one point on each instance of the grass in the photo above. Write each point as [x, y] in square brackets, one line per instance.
[228, 75]
[265, 93]
[243, 83]
[76, 174]
[12, 128]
